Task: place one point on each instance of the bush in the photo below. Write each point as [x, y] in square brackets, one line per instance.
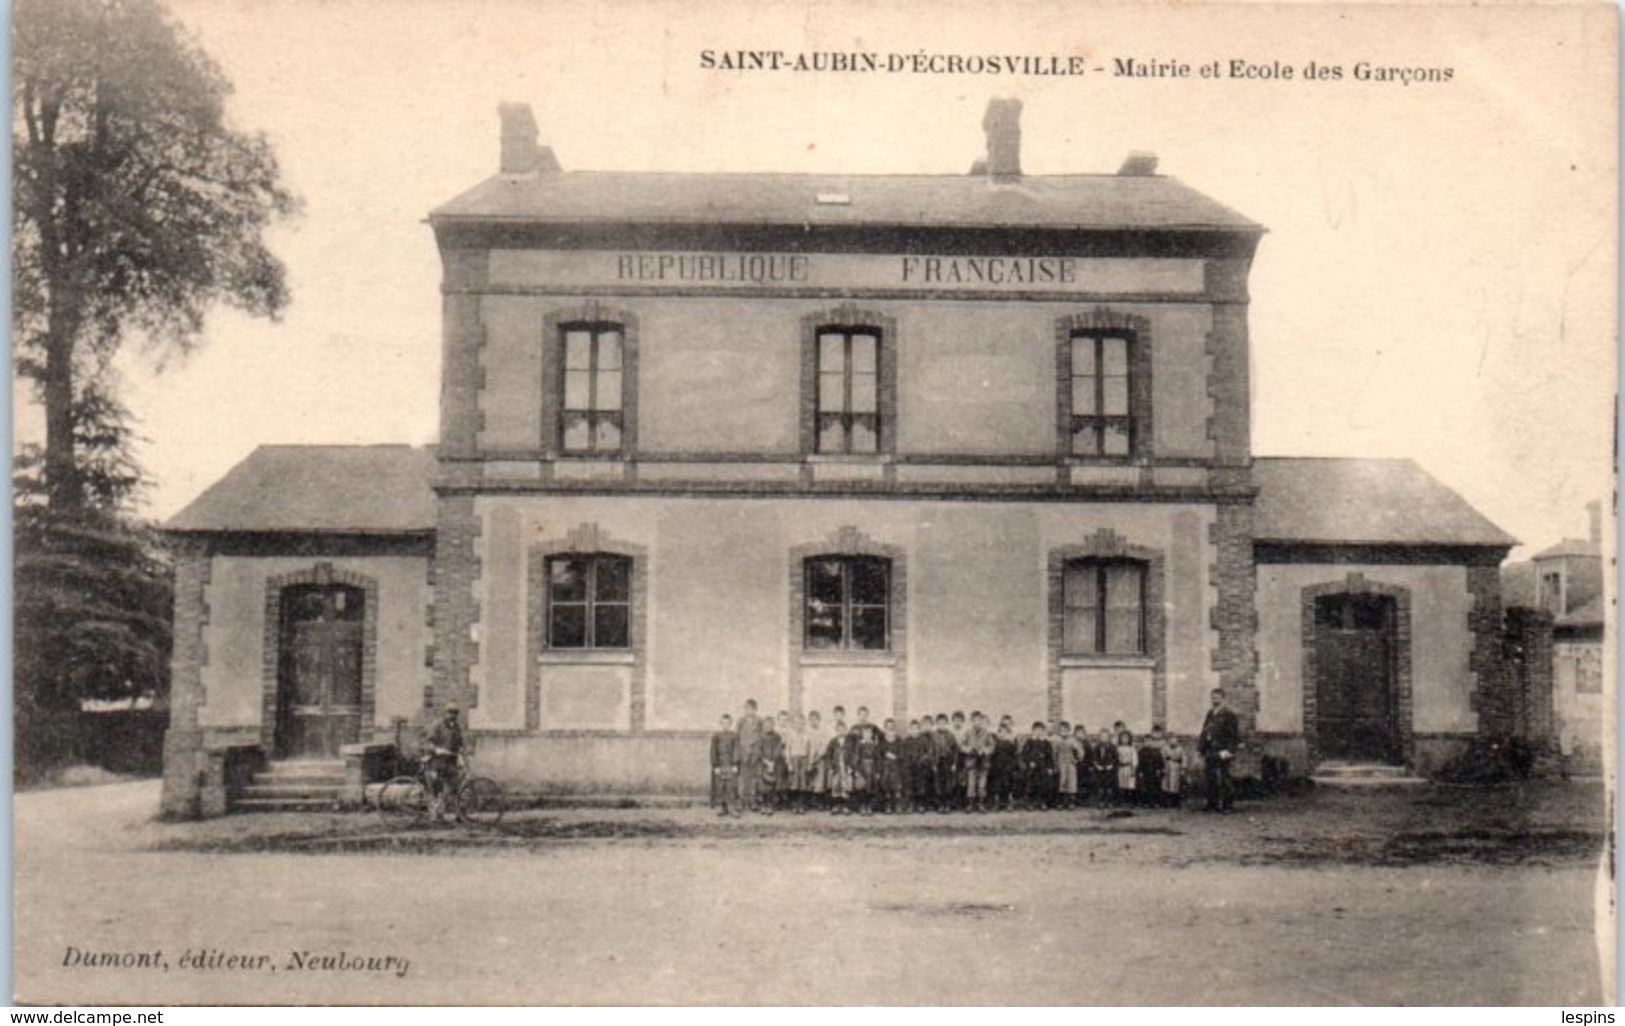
[1489, 761]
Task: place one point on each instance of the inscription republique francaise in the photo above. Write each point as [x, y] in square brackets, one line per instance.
[793, 269]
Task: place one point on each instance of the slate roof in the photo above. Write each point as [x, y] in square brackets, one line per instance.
[355, 489]
[1364, 502]
[1044, 201]
[385, 489]
[1570, 547]
[1592, 614]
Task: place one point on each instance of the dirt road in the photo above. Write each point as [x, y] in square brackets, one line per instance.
[775, 916]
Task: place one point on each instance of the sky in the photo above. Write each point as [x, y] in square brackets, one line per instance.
[1438, 279]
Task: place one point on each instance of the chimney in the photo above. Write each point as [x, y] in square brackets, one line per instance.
[1594, 512]
[1139, 163]
[1002, 124]
[521, 155]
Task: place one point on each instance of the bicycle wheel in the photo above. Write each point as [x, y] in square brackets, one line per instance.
[480, 800]
[403, 801]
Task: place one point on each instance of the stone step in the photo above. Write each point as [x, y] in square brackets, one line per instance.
[305, 768]
[307, 804]
[266, 789]
[299, 780]
[1367, 781]
[1363, 774]
[1359, 769]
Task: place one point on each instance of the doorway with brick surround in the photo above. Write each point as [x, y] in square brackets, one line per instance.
[1356, 700]
[319, 670]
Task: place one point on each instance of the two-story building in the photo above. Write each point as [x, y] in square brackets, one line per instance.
[915, 443]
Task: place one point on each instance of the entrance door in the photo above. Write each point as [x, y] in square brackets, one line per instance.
[319, 670]
[1354, 687]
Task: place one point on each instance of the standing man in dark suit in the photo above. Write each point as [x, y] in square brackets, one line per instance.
[1220, 737]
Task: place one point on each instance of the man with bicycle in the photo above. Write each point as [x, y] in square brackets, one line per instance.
[443, 748]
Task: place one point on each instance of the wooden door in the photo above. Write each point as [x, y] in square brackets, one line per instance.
[1354, 669]
[319, 693]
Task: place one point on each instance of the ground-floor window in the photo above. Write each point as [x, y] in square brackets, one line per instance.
[589, 602]
[1104, 607]
[848, 602]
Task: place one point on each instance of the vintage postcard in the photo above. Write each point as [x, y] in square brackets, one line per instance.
[843, 504]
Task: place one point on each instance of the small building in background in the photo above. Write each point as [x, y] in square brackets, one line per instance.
[1566, 583]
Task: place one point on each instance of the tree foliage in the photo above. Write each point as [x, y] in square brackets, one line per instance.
[135, 206]
[93, 608]
[93, 598]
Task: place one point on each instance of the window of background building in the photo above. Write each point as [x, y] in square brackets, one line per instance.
[1102, 421]
[848, 602]
[1551, 593]
[848, 390]
[1104, 607]
[589, 602]
[1588, 670]
[591, 411]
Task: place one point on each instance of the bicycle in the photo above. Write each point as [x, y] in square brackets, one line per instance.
[409, 798]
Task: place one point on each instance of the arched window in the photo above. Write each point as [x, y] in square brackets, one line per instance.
[1104, 603]
[589, 602]
[848, 603]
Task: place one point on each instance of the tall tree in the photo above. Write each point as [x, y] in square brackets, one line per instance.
[135, 206]
[135, 209]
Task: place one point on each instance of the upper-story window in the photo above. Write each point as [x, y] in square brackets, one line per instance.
[1104, 601]
[1103, 376]
[589, 602]
[591, 417]
[1102, 416]
[1102, 410]
[848, 416]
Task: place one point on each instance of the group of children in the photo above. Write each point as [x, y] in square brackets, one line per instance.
[942, 763]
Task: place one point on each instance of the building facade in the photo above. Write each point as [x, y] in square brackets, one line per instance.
[914, 443]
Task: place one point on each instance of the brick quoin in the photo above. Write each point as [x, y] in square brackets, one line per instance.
[457, 570]
[1524, 705]
[1234, 579]
[1493, 691]
[1230, 426]
[183, 741]
[1518, 702]
[461, 370]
